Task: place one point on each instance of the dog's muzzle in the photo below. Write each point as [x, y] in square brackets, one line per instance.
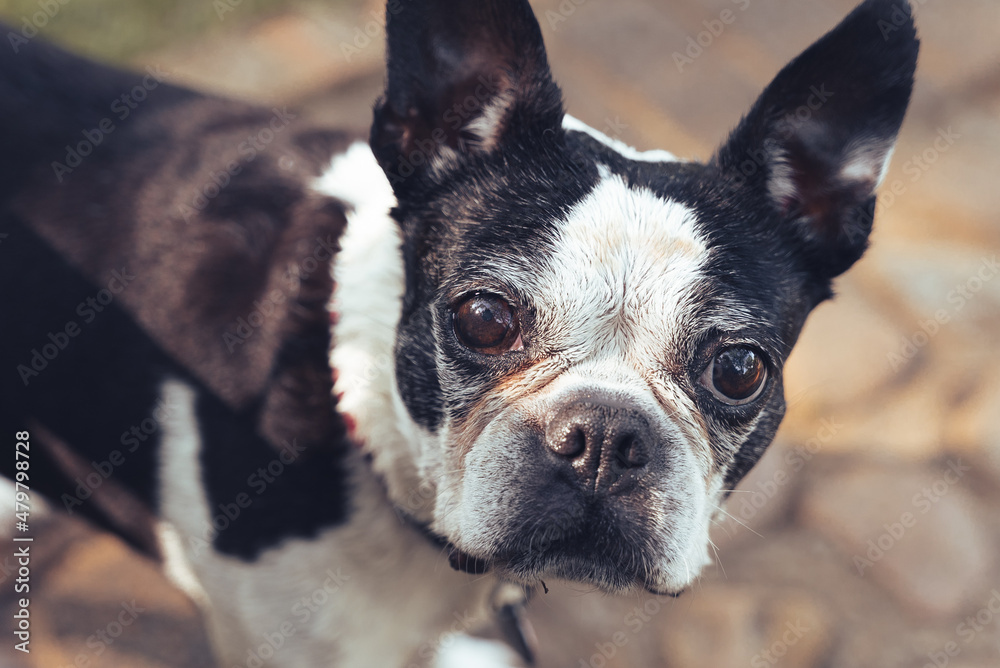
[592, 487]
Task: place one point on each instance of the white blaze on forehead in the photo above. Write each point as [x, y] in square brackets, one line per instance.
[624, 258]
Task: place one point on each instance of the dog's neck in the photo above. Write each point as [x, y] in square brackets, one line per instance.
[366, 305]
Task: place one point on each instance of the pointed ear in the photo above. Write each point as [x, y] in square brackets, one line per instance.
[818, 141]
[464, 76]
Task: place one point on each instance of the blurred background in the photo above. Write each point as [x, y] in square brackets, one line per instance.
[868, 535]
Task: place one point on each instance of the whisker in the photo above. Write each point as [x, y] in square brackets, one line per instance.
[742, 524]
[718, 559]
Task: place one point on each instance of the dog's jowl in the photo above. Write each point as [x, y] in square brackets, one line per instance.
[487, 335]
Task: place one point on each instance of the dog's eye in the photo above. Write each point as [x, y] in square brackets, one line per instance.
[736, 375]
[487, 324]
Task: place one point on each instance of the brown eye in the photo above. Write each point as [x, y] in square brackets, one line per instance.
[736, 375]
[487, 324]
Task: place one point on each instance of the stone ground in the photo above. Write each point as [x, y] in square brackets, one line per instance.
[867, 537]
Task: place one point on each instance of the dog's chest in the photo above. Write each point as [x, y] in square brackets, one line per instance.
[366, 592]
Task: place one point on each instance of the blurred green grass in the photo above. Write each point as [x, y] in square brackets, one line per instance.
[116, 31]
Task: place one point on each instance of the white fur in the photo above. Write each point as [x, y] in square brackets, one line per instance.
[656, 155]
[488, 125]
[367, 297]
[865, 164]
[367, 300]
[625, 264]
[377, 589]
[615, 298]
[176, 566]
[781, 182]
[868, 164]
[469, 652]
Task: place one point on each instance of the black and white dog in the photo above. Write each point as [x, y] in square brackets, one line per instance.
[554, 354]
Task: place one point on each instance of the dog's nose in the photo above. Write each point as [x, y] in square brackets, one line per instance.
[602, 440]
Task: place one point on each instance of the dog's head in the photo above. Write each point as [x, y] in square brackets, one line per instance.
[592, 339]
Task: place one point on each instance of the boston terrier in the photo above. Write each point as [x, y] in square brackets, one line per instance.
[359, 395]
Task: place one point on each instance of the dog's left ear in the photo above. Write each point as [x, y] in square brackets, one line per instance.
[464, 76]
[818, 141]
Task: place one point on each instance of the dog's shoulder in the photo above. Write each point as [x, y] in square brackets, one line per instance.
[164, 233]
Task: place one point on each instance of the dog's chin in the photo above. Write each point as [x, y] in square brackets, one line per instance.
[584, 569]
[620, 571]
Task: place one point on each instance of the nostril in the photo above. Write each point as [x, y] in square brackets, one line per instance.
[572, 444]
[629, 451]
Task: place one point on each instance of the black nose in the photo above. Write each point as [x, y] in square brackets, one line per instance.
[602, 440]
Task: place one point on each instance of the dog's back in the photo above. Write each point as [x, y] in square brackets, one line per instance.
[47, 99]
[150, 232]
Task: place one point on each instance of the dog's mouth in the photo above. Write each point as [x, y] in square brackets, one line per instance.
[567, 562]
[466, 563]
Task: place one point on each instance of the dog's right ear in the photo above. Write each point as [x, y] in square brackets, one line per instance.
[464, 77]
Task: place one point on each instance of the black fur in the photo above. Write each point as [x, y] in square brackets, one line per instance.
[502, 196]
[470, 136]
[447, 62]
[850, 88]
[137, 204]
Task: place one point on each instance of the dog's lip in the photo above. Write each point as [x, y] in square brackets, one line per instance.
[467, 563]
[671, 593]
